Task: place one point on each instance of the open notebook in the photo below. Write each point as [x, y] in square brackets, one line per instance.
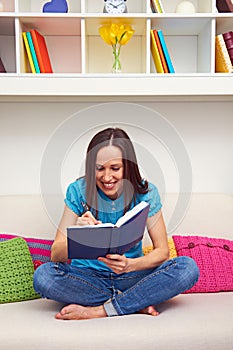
[93, 241]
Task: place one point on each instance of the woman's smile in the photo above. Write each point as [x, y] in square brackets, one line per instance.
[109, 185]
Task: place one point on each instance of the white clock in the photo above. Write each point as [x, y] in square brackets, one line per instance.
[115, 6]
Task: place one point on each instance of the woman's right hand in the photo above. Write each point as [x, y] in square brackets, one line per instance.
[87, 219]
[69, 218]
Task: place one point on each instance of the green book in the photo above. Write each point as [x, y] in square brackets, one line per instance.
[33, 52]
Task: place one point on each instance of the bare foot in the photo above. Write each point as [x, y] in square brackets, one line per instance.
[150, 310]
[78, 312]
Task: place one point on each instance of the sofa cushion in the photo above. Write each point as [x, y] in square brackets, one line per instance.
[16, 271]
[195, 321]
[214, 257]
[40, 249]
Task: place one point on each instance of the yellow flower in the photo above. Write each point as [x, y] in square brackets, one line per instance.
[126, 37]
[116, 33]
[104, 33]
[120, 33]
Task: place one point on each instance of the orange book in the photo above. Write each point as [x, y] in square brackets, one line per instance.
[41, 52]
[164, 63]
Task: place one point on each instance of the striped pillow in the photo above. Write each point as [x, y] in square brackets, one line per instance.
[40, 249]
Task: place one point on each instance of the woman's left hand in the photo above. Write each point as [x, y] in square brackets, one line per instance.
[117, 263]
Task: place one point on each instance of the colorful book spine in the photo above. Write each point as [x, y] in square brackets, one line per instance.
[33, 52]
[161, 54]
[152, 6]
[165, 52]
[224, 5]
[157, 6]
[222, 58]
[228, 38]
[155, 54]
[28, 52]
[41, 52]
[160, 6]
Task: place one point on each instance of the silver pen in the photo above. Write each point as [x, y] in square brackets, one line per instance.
[85, 207]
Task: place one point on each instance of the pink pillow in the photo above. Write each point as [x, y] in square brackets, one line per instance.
[40, 249]
[214, 257]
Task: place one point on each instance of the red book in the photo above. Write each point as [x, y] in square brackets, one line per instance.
[163, 60]
[228, 38]
[41, 52]
[224, 5]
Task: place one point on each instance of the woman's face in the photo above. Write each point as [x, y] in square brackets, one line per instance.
[109, 171]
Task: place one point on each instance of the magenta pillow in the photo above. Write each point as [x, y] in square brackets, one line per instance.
[214, 257]
[40, 249]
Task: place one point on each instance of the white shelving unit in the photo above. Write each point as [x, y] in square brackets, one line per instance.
[82, 61]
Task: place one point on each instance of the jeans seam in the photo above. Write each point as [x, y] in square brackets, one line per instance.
[87, 272]
[142, 275]
[77, 278]
[173, 263]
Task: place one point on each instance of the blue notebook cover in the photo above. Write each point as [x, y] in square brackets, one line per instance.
[91, 242]
[165, 52]
[33, 52]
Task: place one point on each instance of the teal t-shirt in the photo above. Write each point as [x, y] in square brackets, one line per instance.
[109, 211]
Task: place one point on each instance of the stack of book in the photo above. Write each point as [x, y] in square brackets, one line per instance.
[160, 54]
[37, 52]
[224, 53]
[156, 6]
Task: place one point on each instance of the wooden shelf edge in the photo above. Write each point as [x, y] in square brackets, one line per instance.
[42, 86]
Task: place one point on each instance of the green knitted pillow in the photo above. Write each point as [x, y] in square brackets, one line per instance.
[16, 271]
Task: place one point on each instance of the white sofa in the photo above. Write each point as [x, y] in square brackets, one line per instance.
[188, 321]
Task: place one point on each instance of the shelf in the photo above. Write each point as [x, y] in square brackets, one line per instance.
[133, 55]
[8, 5]
[35, 6]
[200, 5]
[193, 38]
[123, 85]
[7, 41]
[96, 6]
[64, 42]
[82, 61]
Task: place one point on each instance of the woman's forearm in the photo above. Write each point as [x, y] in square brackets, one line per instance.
[121, 264]
[59, 252]
[151, 260]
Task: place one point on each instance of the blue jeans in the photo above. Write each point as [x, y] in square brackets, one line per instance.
[120, 294]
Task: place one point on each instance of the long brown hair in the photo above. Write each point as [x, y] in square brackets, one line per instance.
[119, 138]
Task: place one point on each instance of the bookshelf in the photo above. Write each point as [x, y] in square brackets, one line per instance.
[82, 61]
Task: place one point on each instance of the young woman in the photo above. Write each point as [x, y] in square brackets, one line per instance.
[115, 284]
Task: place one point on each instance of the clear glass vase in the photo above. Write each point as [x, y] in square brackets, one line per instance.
[116, 67]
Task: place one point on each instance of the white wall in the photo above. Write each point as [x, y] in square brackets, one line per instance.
[206, 130]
